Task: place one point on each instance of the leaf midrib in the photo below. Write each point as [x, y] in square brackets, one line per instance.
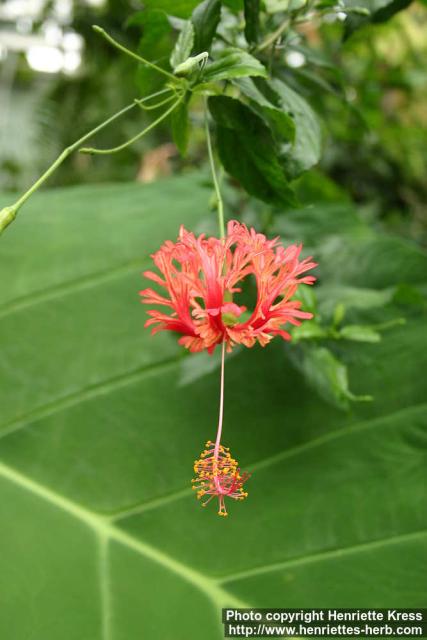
[81, 395]
[107, 532]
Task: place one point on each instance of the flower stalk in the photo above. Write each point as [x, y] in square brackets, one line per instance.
[221, 404]
[131, 54]
[217, 473]
[219, 201]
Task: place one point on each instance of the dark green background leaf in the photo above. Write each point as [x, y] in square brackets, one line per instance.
[155, 44]
[306, 149]
[205, 19]
[234, 5]
[179, 8]
[379, 11]
[246, 148]
[280, 122]
[181, 127]
[251, 10]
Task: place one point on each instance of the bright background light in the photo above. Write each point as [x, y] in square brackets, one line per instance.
[295, 59]
[54, 48]
[47, 59]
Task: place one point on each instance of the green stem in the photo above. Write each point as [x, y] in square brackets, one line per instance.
[8, 214]
[133, 55]
[135, 138]
[152, 107]
[274, 36]
[220, 204]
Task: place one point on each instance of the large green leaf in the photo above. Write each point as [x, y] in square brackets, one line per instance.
[101, 537]
[280, 122]
[180, 122]
[251, 9]
[306, 149]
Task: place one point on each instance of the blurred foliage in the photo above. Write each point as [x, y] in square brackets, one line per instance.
[376, 143]
[369, 89]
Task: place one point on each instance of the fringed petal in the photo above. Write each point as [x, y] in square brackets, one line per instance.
[201, 275]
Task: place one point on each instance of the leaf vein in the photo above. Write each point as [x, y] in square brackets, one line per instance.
[323, 555]
[333, 435]
[65, 288]
[82, 395]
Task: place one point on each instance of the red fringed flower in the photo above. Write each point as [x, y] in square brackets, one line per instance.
[200, 276]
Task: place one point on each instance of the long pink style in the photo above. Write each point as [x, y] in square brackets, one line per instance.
[220, 415]
[217, 473]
